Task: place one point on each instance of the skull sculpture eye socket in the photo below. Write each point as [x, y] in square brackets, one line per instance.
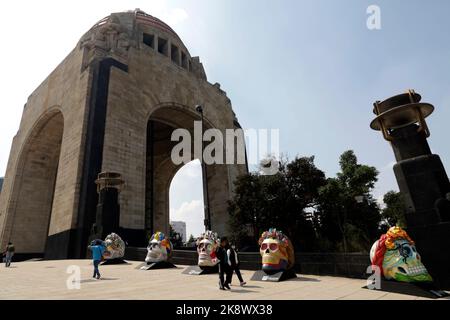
[405, 250]
[271, 246]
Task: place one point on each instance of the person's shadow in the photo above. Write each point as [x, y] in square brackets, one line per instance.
[99, 280]
[241, 290]
[249, 286]
[244, 289]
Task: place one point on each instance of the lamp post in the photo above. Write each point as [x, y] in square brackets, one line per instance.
[207, 220]
[420, 175]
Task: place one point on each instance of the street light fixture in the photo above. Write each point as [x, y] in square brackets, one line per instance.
[207, 220]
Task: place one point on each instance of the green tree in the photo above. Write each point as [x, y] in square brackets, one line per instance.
[191, 240]
[282, 200]
[340, 218]
[394, 212]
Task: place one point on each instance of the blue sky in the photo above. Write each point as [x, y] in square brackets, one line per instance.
[309, 68]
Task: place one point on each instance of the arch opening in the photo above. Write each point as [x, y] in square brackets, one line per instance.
[161, 170]
[186, 201]
[35, 191]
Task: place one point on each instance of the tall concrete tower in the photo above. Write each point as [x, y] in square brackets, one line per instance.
[110, 106]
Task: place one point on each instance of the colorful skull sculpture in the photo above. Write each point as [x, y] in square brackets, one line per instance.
[207, 244]
[115, 247]
[277, 251]
[396, 256]
[159, 248]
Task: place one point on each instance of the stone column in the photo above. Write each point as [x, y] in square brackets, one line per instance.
[108, 208]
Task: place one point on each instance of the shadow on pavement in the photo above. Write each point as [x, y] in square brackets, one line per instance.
[305, 279]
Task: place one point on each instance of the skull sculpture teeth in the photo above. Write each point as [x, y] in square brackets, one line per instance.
[206, 248]
[276, 251]
[397, 257]
[159, 248]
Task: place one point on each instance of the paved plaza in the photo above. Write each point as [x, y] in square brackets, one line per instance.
[47, 280]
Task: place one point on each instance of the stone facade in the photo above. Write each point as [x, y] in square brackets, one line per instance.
[111, 105]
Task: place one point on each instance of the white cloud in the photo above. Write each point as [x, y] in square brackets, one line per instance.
[193, 214]
[380, 202]
[186, 198]
[192, 169]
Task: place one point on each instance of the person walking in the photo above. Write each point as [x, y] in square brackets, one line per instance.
[98, 248]
[224, 267]
[9, 253]
[233, 261]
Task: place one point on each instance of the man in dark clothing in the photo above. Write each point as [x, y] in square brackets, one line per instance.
[9, 253]
[224, 267]
[233, 261]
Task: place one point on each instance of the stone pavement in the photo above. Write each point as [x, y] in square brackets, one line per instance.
[47, 280]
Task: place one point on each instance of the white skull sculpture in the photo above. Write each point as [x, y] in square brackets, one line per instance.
[115, 247]
[206, 248]
[159, 248]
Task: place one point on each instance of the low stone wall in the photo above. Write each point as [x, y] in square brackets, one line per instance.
[352, 265]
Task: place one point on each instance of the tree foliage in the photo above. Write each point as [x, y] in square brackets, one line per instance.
[340, 218]
[280, 200]
[318, 214]
[394, 212]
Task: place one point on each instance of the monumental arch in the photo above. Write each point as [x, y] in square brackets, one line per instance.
[110, 106]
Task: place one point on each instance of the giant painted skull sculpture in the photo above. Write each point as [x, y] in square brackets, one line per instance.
[115, 247]
[276, 251]
[396, 256]
[207, 244]
[159, 248]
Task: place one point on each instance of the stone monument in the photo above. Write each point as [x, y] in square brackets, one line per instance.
[110, 106]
